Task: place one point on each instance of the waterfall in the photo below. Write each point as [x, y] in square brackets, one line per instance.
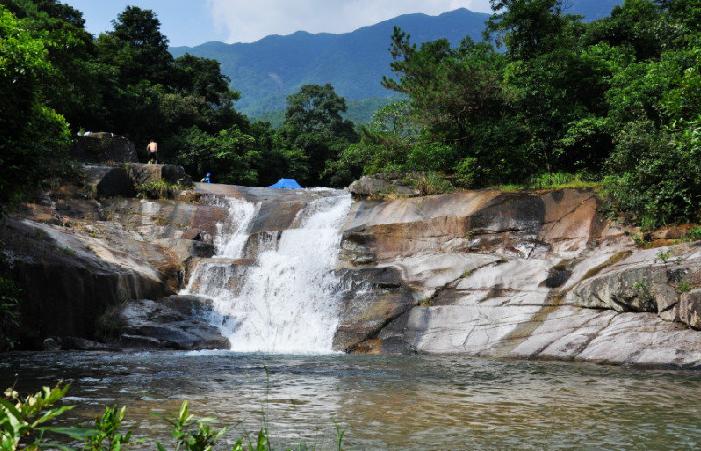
[286, 301]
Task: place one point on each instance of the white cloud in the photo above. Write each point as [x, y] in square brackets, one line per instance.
[250, 20]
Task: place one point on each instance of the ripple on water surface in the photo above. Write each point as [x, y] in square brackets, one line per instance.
[420, 402]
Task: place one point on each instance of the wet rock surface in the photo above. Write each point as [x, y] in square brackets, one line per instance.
[176, 322]
[372, 297]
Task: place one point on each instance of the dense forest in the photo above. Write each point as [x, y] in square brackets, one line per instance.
[546, 96]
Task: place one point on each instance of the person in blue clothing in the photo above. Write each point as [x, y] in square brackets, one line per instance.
[207, 178]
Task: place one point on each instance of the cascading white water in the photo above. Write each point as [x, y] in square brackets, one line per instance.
[287, 301]
[212, 277]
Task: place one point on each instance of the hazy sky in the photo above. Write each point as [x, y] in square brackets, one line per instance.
[192, 22]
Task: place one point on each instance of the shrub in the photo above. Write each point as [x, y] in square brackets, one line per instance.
[466, 172]
[107, 434]
[694, 234]
[430, 183]
[683, 287]
[657, 177]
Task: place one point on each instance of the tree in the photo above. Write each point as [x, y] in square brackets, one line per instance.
[137, 47]
[231, 155]
[314, 132]
[33, 137]
[528, 28]
[73, 87]
[202, 78]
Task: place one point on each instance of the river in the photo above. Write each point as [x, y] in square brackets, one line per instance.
[409, 402]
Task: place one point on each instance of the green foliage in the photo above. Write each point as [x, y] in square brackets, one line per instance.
[429, 183]
[107, 435]
[26, 422]
[656, 175]
[34, 136]
[694, 234]
[9, 313]
[193, 434]
[158, 189]
[559, 180]
[683, 287]
[314, 134]
[664, 256]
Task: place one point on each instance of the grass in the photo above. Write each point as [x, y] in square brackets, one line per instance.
[683, 287]
[553, 181]
[429, 183]
[158, 189]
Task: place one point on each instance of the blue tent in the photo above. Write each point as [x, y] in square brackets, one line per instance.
[287, 184]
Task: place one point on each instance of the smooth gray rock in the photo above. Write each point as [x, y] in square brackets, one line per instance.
[185, 249]
[380, 185]
[687, 311]
[171, 323]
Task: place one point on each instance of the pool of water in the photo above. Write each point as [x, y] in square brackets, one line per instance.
[421, 402]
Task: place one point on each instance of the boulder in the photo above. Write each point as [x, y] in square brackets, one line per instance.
[177, 322]
[108, 181]
[382, 185]
[148, 173]
[103, 148]
[153, 220]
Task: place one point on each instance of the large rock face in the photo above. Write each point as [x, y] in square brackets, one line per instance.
[526, 275]
[521, 275]
[69, 279]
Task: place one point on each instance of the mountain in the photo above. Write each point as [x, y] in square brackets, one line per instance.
[267, 71]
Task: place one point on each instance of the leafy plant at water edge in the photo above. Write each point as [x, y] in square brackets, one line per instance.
[107, 435]
[193, 434]
[26, 421]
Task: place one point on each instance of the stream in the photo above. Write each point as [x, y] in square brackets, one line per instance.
[409, 402]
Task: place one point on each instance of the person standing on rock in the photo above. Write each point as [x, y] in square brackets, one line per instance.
[152, 149]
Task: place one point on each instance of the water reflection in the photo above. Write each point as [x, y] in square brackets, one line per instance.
[409, 402]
